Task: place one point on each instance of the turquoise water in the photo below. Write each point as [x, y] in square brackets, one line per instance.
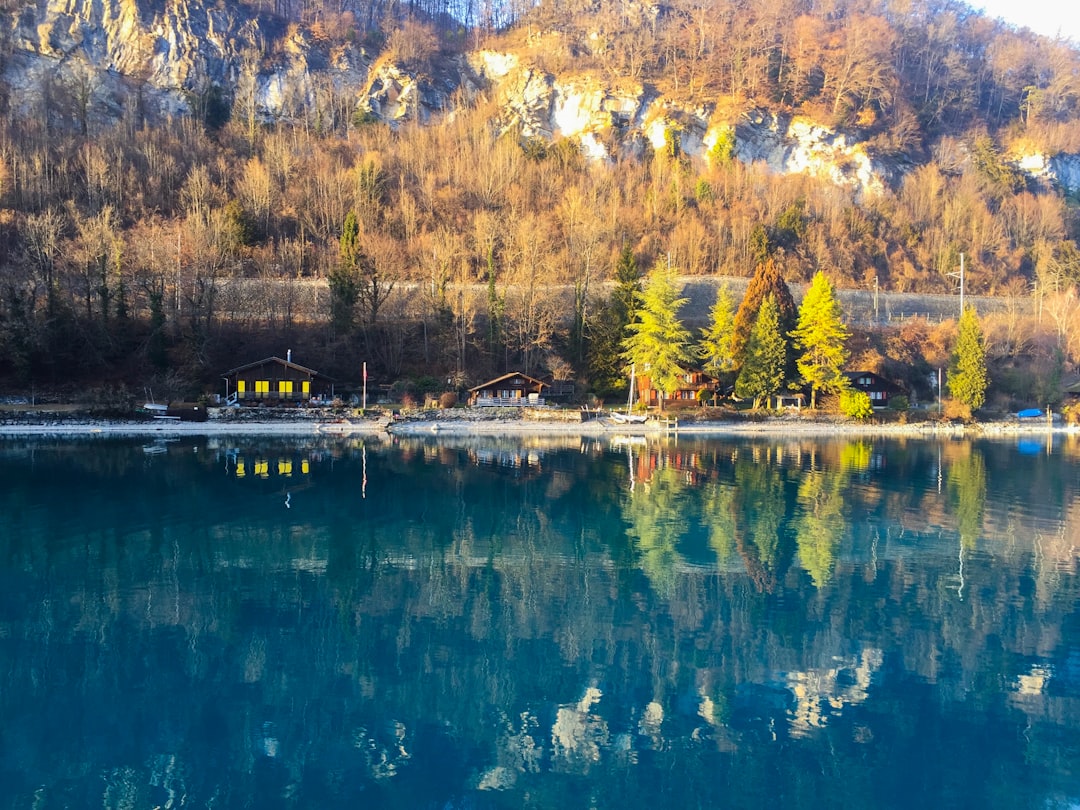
[552, 624]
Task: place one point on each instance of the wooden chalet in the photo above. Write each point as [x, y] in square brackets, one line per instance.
[274, 381]
[876, 387]
[688, 395]
[513, 389]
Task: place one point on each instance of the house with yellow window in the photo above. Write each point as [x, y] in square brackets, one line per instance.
[274, 381]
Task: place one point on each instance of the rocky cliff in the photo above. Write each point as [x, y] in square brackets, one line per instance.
[90, 63]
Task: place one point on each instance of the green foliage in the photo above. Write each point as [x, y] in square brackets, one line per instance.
[703, 191]
[899, 403]
[344, 279]
[715, 348]
[609, 327]
[239, 227]
[655, 518]
[535, 148]
[1002, 176]
[658, 343]
[967, 493]
[723, 151]
[856, 405]
[822, 336]
[762, 372]
[673, 142]
[820, 524]
[364, 117]
[968, 376]
[759, 246]
[791, 225]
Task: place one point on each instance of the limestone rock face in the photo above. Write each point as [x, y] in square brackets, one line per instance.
[90, 63]
[1061, 170]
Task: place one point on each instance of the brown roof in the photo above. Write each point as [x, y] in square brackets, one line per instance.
[286, 363]
[507, 376]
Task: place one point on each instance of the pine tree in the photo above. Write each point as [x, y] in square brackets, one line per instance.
[762, 372]
[609, 328]
[968, 378]
[343, 280]
[766, 281]
[715, 348]
[658, 342]
[822, 336]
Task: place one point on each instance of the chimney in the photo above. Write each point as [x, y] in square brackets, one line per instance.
[288, 355]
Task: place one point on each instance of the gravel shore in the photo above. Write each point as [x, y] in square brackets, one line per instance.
[493, 422]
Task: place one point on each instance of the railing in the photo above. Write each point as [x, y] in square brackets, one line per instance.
[513, 402]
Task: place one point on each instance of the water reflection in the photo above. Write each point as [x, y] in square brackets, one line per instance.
[484, 623]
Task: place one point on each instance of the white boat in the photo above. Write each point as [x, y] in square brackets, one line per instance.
[630, 418]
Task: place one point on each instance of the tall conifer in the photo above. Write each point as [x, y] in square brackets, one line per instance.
[968, 378]
[762, 372]
[658, 343]
[822, 336]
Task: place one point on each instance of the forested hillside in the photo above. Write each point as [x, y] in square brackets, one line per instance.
[140, 238]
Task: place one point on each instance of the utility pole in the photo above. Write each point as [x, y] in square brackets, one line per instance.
[875, 299]
[961, 276]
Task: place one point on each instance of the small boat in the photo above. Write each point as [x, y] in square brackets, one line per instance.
[1030, 413]
[629, 418]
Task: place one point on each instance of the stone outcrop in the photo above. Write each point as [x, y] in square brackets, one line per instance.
[89, 63]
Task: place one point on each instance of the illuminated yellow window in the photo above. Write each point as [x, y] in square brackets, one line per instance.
[305, 387]
[284, 387]
[262, 386]
[241, 386]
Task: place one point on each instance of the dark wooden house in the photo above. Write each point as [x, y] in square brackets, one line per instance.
[513, 389]
[876, 387]
[276, 381]
[695, 387]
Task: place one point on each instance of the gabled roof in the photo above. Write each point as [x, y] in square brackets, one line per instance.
[286, 363]
[854, 375]
[508, 376]
[1073, 389]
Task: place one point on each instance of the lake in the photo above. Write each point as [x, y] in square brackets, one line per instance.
[553, 623]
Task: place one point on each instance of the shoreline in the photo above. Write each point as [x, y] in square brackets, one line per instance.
[472, 423]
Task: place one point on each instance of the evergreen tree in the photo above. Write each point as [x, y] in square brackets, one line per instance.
[624, 299]
[968, 378]
[767, 281]
[658, 343]
[608, 328]
[343, 279]
[822, 336]
[762, 372]
[715, 348]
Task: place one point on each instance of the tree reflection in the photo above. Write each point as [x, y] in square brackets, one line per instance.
[656, 514]
[761, 533]
[820, 524]
[967, 493]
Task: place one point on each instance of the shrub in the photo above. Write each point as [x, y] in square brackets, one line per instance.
[856, 405]
[899, 403]
[955, 409]
[448, 400]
